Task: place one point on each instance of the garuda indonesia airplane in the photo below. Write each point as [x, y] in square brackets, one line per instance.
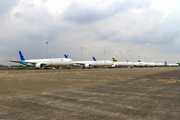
[90, 64]
[39, 63]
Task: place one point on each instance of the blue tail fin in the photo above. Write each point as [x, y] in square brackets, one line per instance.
[94, 59]
[21, 56]
[139, 60]
[65, 56]
[165, 63]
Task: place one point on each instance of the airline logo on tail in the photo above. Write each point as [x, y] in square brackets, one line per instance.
[21, 56]
[165, 63]
[139, 60]
[94, 59]
[65, 56]
[114, 60]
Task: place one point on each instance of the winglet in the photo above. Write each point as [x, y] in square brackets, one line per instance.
[165, 63]
[21, 56]
[114, 60]
[65, 56]
[94, 59]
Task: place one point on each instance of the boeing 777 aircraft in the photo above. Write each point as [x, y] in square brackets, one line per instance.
[117, 64]
[90, 64]
[174, 64]
[39, 63]
[140, 64]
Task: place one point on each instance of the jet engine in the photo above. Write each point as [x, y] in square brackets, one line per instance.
[87, 66]
[39, 65]
[114, 66]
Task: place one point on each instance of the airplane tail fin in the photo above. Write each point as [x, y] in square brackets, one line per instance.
[165, 63]
[139, 60]
[21, 56]
[94, 59]
[114, 60]
[65, 56]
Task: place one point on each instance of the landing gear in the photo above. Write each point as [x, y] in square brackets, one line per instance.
[46, 67]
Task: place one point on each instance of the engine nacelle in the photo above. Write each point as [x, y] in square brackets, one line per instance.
[114, 66]
[39, 65]
[87, 65]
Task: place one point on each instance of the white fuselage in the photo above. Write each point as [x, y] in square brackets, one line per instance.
[175, 65]
[140, 64]
[119, 64]
[53, 62]
[89, 64]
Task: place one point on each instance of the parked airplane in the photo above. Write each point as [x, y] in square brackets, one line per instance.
[174, 64]
[119, 64]
[140, 64]
[90, 64]
[39, 63]
[103, 62]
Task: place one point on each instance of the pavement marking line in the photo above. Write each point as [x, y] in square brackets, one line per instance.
[36, 79]
[86, 80]
[21, 79]
[102, 76]
[69, 79]
[162, 80]
[170, 82]
[6, 72]
[132, 78]
[140, 80]
[178, 80]
[6, 79]
[157, 77]
[173, 77]
[146, 79]
[77, 73]
[122, 80]
[104, 80]
[109, 77]
[53, 79]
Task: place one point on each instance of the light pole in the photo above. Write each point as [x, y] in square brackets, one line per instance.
[81, 53]
[104, 54]
[121, 56]
[130, 58]
[46, 49]
[145, 59]
[138, 58]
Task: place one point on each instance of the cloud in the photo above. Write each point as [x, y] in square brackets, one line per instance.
[81, 12]
[7, 5]
[131, 26]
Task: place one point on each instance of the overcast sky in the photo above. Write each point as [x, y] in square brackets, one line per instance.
[144, 28]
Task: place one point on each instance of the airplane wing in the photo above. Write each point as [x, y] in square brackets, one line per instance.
[20, 61]
[14, 61]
